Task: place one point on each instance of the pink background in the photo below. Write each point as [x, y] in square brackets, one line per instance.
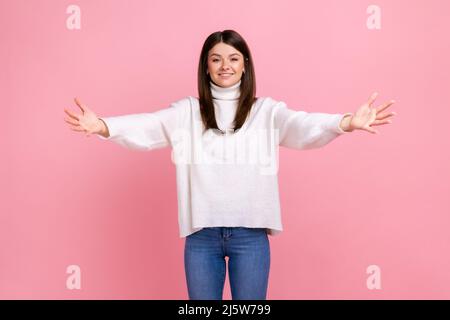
[363, 199]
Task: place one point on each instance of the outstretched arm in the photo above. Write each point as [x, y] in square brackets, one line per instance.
[142, 131]
[309, 130]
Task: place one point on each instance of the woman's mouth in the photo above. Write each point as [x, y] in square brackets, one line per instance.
[225, 75]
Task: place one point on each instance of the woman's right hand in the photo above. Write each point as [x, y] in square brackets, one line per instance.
[86, 122]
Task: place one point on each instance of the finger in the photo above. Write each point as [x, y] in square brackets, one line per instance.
[372, 98]
[385, 115]
[79, 129]
[72, 115]
[79, 104]
[385, 105]
[380, 122]
[70, 121]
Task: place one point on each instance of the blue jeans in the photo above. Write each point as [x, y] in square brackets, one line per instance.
[248, 253]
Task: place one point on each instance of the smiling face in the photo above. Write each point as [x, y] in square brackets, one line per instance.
[225, 65]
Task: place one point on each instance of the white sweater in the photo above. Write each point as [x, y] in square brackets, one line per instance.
[229, 179]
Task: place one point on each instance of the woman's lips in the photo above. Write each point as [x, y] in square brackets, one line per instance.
[225, 75]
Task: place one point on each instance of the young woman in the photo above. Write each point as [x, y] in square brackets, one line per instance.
[225, 146]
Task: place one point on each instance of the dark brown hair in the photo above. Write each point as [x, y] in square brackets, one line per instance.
[247, 86]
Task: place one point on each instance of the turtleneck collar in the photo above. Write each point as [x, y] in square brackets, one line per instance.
[221, 93]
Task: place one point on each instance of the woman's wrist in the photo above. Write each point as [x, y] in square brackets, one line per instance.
[103, 129]
[346, 123]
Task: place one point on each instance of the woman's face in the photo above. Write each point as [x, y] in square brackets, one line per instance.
[225, 65]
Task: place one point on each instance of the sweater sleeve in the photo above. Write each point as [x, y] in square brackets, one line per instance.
[146, 131]
[306, 130]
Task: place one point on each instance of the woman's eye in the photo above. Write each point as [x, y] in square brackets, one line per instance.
[215, 60]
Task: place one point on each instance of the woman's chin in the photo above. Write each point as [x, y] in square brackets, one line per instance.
[226, 82]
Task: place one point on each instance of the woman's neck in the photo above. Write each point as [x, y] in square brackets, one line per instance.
[229, 93]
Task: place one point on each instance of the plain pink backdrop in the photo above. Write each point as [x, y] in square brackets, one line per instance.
[362, 200]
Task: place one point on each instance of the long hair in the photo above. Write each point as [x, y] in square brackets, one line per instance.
[247, 86]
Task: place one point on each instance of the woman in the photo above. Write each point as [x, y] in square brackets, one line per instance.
[225, 146]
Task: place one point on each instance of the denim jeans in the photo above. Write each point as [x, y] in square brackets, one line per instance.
[248, 253]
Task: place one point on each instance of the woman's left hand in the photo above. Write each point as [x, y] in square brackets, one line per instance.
[367, 116]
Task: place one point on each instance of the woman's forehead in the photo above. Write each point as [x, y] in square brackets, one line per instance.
[223, 49]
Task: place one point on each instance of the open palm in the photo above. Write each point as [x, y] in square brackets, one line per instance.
[86, 122]
[367, 116]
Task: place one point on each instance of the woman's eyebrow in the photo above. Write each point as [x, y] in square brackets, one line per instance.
[216, 54]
